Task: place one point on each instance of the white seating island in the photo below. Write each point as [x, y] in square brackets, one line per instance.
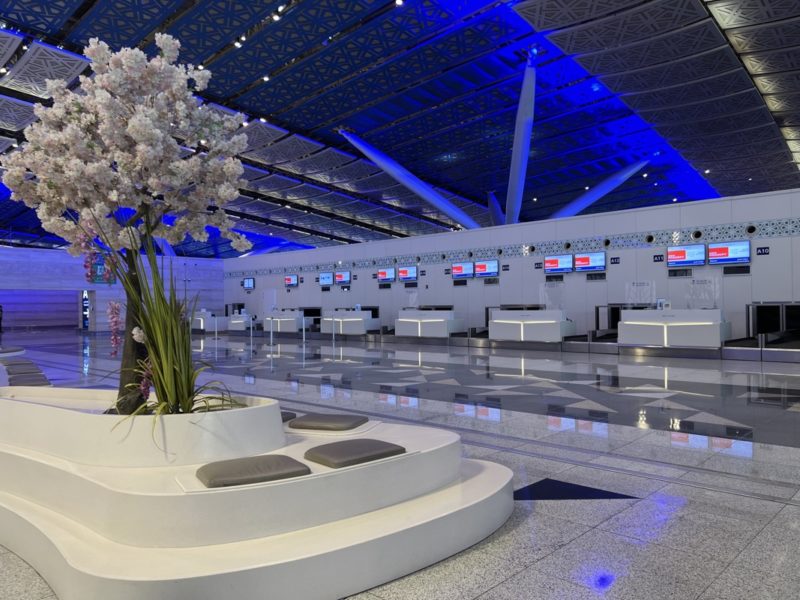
[103, 510]
[529, 325]
[674, 328]
[413, 322]
[348, 322]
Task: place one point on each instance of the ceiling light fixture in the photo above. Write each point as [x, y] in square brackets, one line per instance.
[200, 67]
[243, 38]
[238, 44]
[265, 78]
[276, 17]
[398, 2]
[707, 171]
[674, 199]
[644, 175]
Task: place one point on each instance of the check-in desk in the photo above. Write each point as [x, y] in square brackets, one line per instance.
[690, 328]
[427, 323]
[238, 322]
[530, 326]
[286, 321]
[202, 321]
[349, 322]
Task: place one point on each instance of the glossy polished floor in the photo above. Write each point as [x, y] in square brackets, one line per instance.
[635, 479]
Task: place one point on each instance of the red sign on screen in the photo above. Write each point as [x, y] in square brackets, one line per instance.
[676, 255]
[551, 263]
[458, 269]
[718, 252]
[340, 277]
[480, 267]
[403, 272]
[381, 274]
[582, 261]
[288, 280]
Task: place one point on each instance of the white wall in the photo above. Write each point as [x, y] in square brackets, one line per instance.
[774, 277]
[41, 288]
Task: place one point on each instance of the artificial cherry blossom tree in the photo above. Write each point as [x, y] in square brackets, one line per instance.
[106, 168]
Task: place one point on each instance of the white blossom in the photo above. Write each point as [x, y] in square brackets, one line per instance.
[138, 334]
[112, 145]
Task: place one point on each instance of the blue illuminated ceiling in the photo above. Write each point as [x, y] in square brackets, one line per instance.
[435, 84]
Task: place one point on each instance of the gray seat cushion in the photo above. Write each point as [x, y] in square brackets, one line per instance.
[352, 452]
[21, 369]
[252, 469]
[287, 415]
[328, 422]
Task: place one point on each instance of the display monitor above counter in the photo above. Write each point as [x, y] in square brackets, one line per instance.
[729, 253]
[487, 268]
[463, 270]
[386, 275]
[693, 255]
[590, 261]
[561, 263]
[407, 273]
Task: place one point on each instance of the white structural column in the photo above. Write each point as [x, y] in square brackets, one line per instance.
[609, 184]
[404, 177]
[522, 143]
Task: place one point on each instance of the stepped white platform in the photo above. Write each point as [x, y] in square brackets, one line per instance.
[102, 510]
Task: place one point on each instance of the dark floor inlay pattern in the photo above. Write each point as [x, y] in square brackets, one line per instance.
[552, 489]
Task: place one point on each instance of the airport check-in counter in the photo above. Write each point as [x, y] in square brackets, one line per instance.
[674, 328]
[203, 321]
[238, 322]
[286, 321]
[349, 322]
[412, 322]
[529, 326]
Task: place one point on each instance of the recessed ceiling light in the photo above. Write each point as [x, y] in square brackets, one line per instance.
[644, 175]
[243, 38]
[749, 179]
[265, 78]
[238, 44]
[655, 184]
[200, 67]
[535, 199]
[276, 17]
[262, 119]
[398, 2]
[586, 187]
[281, 8]
[707, 171]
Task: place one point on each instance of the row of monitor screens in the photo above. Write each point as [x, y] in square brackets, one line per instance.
[722, 253]
[692, 255]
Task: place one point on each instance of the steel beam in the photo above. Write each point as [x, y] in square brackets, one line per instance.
[520, 154]
[608, 185]
[495, 210]
[405, 178]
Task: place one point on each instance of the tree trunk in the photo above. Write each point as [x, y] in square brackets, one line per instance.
[129, 397]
